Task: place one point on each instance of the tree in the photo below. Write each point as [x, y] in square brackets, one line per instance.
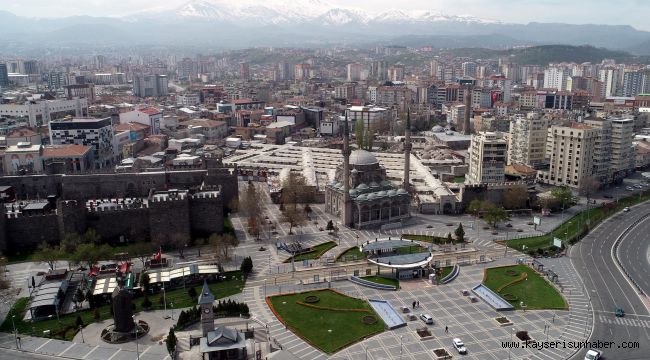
[177, 241]
[330, 225]
[294, 217]
[143, 251]
[223, 244]
[460, 233]
[450, 240]
[564, 195]
[171, 341]
[296, 190]
[78, 297]
[192, 293]
[47, 254]
[588, 186]
[90, 254]
[91, 237]
[251, 206]
[515, 197]
[359, 133]
[475, 207]
[144, 282]
[369, 138]
[493, 215]
[246, 266]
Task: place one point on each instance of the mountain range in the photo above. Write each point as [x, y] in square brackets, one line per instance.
[246, 23]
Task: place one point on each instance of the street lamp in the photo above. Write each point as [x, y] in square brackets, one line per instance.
[401, 347]
[135, 332]
[265, 288]
[511, 344]
[172, 308]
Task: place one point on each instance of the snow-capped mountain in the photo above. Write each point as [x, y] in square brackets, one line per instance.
[279, 12]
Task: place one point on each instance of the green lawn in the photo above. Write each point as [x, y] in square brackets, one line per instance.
[315, 253]
[535, 292]
[459, 179]
[427, 238]
[352, 252]
[179, 297]
[313, 324]
[575, 227]
[382, 280]
[446, 271]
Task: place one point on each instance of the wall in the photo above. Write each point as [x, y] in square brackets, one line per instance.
[206, 214]
[133, 224]
[170, 220]
[26, 232]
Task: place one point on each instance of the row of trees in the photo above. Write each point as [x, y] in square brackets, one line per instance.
[491, 213]
[295, 190]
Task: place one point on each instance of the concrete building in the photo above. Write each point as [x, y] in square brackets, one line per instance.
[96, 133]
[556, 78]
[4, 75]
[23, 158]
[622, 149]
[41, 112]
[487, 159]
[148, 116]
[188, 99]
[602, 157]
[372, 116]
[150, 85]
[570, 151]
[354, 72]
[244, 71]
[396, 73]
[527, 141]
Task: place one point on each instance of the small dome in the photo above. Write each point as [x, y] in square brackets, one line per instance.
[362, 186]
[362, 197]
[401, 191]
[370, 196]
[353, 192]
[392, 192]
[386, 183]
[382, 193]
[437, 129]
[354, 171]
[362, 157]
[374, 185]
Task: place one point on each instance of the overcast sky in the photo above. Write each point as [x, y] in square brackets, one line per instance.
[618, 12]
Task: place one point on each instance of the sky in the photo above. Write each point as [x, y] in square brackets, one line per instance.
[618, 12]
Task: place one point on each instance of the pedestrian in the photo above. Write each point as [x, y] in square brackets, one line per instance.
[413, 304]
[446, 329]
[418, 304]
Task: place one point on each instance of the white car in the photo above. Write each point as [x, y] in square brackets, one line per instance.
[459, 346]
[427, 319]
[629, 188]
[626, 209]
[593, 355]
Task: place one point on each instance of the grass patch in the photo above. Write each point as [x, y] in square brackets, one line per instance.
[428, 238]
[382, 280]
[577, 226]
[312, 324]
[350, 253]
[446, 271]
[231, 286]
[534, 291]
[316, 252]
[459, 179]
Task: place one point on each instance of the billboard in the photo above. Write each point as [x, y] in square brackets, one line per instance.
[557, 242]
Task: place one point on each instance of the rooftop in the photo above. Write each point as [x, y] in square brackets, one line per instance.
[65, 150]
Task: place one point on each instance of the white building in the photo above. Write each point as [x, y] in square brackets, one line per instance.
[148, 116]
[556, 78]
[188, 99]
[41, 112]
[372, 116]
[527, 141]
[96, 133]
[487, 159]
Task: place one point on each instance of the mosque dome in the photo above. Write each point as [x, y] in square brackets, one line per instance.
[362, 157]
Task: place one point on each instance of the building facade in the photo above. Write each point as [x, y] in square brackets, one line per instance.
[527, 141]
[487, 159]
[96, 133]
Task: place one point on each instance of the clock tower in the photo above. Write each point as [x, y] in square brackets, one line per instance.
[206, 301]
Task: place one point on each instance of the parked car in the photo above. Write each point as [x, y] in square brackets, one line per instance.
[619, 312]
[638, 186]
[427, 319]
[607, 196]
[626, 209]
[459, 346]
[629, 188]
[593, 355]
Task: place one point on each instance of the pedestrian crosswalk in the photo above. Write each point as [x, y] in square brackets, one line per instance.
[624, 321]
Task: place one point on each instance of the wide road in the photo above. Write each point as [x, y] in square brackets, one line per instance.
[608, 286]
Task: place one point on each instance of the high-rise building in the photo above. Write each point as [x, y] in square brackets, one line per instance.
[469, 69]
[354, 72]
[527, 140]
[150, 85]
[602, 169]
[611, 79]
[4, 75]
[244, 71]
[396, 73]
[487, 159]
[570, 154]
[301, 71]
[96, 133]
[556, 78]
[378, 70]
[633, 82]
[622, 148]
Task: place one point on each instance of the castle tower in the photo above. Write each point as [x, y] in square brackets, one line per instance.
[347, 204]
[407, 151]
[206, 301]
[3, 228]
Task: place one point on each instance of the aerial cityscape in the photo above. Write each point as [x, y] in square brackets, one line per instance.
[282, 180]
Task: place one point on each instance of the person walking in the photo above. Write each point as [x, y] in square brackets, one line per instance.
[446, 329]
[413, 304]
[418, 304]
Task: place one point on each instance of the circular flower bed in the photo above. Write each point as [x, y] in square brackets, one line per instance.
[312, 299]
[369, 319]
[512, 273]
[509, 297]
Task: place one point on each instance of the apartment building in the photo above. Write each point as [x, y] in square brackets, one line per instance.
[487, 159]
[527, 140]
[570, 152]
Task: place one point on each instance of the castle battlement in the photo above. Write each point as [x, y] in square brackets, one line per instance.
[118, 207]
[207, 195]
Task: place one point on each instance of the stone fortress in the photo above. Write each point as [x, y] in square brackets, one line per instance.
[162, 206]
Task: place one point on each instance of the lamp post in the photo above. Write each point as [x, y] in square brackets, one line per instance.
[510, 345]
[586, 318]
[401, 346]
[366, 348]
[172, 308]
[135, 332]
[265, 288]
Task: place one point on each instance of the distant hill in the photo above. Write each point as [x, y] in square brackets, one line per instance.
[545, 54]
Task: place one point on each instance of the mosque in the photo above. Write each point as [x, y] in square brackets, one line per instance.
[361, 194]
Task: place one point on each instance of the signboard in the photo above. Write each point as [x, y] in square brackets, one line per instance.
[537, 220]
[557, 242]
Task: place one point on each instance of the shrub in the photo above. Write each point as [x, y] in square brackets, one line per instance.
[192, 293]
[246, 266]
